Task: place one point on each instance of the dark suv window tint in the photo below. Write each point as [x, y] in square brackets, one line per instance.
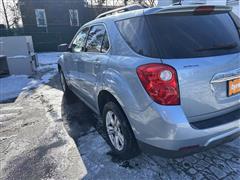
[181, 36]
[136, 33]
[95, 39]
[80, 40]
[105, 44]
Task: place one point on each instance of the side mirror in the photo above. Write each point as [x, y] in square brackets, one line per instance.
[63, 48]
[84, 49]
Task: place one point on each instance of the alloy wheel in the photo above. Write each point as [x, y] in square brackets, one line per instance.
[114, 131]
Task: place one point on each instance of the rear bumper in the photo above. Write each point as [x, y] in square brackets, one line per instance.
[167, 128]
[184, 152]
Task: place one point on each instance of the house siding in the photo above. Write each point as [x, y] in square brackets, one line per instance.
[59, 29]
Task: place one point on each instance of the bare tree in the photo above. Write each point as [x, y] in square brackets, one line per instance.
[107, 3]
[101, 2]
[10, 10]
[5, 14]
[15, 15]
[147, 3]
[118, 3]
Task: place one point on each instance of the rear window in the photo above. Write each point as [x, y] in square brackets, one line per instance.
[181, 36]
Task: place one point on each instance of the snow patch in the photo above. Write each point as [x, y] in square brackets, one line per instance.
[35, 83]
[10, 87]
[48, 58]
[20, 56]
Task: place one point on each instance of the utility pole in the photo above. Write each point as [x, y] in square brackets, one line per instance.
[5, 14]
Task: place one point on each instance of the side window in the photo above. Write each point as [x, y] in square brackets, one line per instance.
[73, 14]
[79, 41]
[105, 44]
[41, 17]
[136, 33]
[95, 39]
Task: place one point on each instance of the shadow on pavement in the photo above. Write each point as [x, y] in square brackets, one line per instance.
[79, 120]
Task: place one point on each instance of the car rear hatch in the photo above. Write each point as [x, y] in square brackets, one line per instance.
[203, 45]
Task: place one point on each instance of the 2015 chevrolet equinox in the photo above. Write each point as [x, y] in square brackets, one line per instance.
[163, 78]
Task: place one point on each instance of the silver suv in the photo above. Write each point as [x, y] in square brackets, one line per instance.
[163, 79]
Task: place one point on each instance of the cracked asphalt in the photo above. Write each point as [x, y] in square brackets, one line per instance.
[32, 146]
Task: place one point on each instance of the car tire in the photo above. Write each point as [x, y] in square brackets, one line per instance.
[119, 134]
[63, 82]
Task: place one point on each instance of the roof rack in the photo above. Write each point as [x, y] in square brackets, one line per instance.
[190, 3]
[120, 10]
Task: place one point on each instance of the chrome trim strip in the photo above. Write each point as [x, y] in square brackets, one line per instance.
[223, 77]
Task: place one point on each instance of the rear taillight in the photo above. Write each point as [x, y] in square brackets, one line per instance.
[160, 82]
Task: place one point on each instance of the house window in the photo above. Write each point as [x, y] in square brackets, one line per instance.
[73, 14]
[41, 17]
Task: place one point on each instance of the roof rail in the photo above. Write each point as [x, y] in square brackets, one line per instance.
[120, 10]
[190, 3]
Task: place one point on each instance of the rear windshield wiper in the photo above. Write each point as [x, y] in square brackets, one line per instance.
[220, 47]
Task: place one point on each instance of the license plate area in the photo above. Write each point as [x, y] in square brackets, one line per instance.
[233, 87]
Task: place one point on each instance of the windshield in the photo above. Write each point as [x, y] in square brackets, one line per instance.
[174, 36]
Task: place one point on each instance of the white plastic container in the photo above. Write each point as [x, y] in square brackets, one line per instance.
[20, 54]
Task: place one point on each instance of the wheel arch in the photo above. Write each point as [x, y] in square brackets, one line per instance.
[104, 97]
[59, 67]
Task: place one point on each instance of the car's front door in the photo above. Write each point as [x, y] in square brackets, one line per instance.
[93, 61]
[77, 47]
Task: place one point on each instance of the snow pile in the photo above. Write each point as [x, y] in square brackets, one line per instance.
[48, 60]
[35, 83]
[10, 87]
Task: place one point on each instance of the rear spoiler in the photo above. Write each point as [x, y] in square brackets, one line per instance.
[189, 8]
